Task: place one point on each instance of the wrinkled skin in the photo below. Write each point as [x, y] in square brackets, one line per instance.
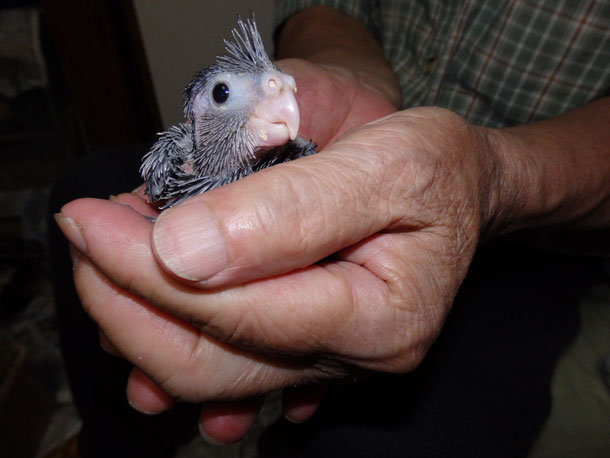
[344, 261]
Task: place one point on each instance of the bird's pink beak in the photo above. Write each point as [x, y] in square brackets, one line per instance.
[276, 118]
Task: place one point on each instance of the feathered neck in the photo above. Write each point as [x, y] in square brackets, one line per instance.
[219, 133]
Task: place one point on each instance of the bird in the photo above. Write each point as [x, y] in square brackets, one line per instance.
[241, 116]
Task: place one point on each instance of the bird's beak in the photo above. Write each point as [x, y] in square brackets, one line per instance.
[276, 117]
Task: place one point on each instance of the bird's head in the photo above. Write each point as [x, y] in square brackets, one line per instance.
[242, 105]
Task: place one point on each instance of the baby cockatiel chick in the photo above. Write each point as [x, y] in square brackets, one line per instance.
[242, 117]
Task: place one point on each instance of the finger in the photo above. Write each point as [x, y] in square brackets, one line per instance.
[316, 310]
[185, 363]
[291, 215]
[293, 312]
[299, 404]
[228, 422]
[146, 396]
[137, 202]
[106, 345]
[140, 191]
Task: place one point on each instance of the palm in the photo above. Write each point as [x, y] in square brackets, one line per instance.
[332, 101]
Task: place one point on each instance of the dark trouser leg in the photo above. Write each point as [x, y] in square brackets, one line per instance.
[484, 388]
[111, 428]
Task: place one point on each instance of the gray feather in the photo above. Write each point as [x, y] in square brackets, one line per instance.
[214, 149]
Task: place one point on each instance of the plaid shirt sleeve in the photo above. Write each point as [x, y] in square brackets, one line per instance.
[362, 11]
[495, 63]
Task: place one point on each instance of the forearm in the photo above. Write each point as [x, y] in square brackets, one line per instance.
[327, 37]
[554, 172]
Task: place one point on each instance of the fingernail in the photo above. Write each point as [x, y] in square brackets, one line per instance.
[107, 346]
[187, 241]
[207, 438]
[72, 231]
[134, 405]
[75, 255]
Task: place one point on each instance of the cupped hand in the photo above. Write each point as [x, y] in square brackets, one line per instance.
[332, 100]
[344, 261]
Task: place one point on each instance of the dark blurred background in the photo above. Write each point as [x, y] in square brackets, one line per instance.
[76, 77]
[73, 79]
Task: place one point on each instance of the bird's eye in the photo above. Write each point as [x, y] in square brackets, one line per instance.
[220, 93]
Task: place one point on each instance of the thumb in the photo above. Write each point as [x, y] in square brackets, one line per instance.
[283, 218]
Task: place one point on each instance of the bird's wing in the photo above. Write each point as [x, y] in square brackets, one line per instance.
[297, 148]
[294, 149]
[182, 186]
[164, 160]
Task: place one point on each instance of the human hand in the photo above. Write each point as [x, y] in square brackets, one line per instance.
[398, 205]
[332, 100]
[344, 102]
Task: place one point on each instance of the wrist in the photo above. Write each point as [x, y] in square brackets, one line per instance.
[508, 185]
[552, 173]
[530, 189]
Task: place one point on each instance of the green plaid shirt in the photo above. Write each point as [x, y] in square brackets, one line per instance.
[495, 63]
